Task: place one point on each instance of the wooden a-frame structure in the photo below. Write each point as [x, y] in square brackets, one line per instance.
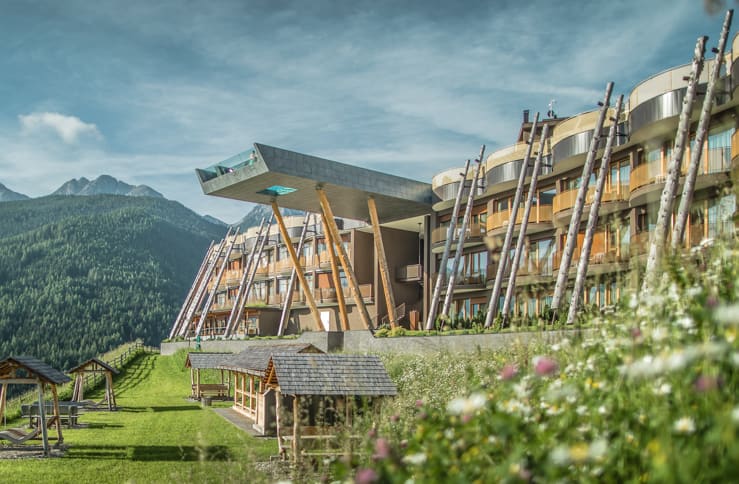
[94, 366]
[26, 370]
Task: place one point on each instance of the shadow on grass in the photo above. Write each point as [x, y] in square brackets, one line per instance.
[173, 408]
[135, 373]
[150, 453]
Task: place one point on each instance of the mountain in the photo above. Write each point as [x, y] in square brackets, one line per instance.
[215, 221]
[259, 211]
[81, 275]
[104, 185]
[8, 195]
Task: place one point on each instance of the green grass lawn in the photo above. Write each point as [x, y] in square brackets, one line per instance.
[156, 436]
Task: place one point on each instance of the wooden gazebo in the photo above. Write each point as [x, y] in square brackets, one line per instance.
[317, 397]
[94, 366]
[207, 361]
[26, 370]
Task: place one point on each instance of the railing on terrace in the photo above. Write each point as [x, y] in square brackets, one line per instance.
[716, 160]
[539, 214]
[439, 234]
[566, 200]
[412, 272]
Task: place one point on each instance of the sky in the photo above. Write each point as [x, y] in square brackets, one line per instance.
[148, 91]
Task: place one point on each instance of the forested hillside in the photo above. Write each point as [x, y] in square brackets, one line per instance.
[79, 275]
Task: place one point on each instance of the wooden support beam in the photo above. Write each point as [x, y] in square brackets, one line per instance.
[286, 307]
[330, 244]
[384, 271]
[298, 268]
[343, 257]
[216, 282]
[3, 398]
[42, 416]
[58, 415]
[191, 292]
[296, 428]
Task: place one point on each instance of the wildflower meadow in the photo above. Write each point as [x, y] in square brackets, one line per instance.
[647, 394]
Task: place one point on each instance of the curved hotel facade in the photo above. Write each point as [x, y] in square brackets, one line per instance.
[414, 217]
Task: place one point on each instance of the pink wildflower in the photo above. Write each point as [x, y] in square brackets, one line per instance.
[366, 476]
[508, 372]
[707, 383]
[544, 366]
[382, 449]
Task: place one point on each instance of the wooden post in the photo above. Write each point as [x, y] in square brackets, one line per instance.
[431, 317]
[198, 298]
[3, 398]
[574, 228]
[678, 231]
[462, 236]
[343, 257]
[524, 225]
[330, 247]
[293, 277]
[197, 385]
[384, 270]
[296, 264]
[237, 308]
[58, 415]
[42, 416]
[296, 428]
[216, 283]
[657, 239]
[582, 266]
[504, 255]
[191, 292]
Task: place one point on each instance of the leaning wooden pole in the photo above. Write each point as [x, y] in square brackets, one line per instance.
[587, 169]
[462, 237]
[42, 416]
[256, 254]
[298, 268]
[504, 256]
[216, 283]
[431, 317]
[232, 317]
[293, 277]
[600, 183]
[672, 179]
[3, 399]
[191, 292]
[55, 400]
[524, 225]
[198, 298]
[382, 260]
[335, 277]
[678, 230]
[343, 257]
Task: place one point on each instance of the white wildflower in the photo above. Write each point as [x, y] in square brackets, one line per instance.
[598, 449]
[685, 425]
[693, 291]
[735, 359]
[728, 315]
[581, 410]
[602, 410]
[663, 389]
[735, 415]
[560, 456]
[415, 459]
[686, 322]
[659, 333]
[449, 434]
[466, 406]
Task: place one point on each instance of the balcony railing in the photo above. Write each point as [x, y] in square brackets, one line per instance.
[439, 234]
[409, 273]
[566, 200]
[539, 214]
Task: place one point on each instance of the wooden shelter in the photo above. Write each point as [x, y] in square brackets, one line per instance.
[249, 367]
[26, 370]
[207, 361]
[94, 366]
[317, 396]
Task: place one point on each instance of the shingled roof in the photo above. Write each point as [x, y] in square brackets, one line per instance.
[335, 374]
[204, 361]
[35, 368]
[255, 359]
[89, 364]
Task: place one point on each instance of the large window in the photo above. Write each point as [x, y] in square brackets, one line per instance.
[719, 150]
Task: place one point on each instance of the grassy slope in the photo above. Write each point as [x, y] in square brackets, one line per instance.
[157, 436]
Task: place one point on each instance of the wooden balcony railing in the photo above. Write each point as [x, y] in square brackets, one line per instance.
[539, 214]
[439, 234]
[409, 273]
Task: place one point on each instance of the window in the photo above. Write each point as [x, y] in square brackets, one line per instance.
[719, 150]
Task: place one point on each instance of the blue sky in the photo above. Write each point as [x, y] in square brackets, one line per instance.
[148, 91]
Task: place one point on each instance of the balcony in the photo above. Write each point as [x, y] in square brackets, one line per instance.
[473, 237]
[409, 273]
[564, 202]
[540, 214]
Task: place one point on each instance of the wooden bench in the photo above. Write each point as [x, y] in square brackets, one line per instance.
[68, 412]
[213, 390]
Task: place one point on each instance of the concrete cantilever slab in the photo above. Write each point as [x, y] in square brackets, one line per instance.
[346, 186]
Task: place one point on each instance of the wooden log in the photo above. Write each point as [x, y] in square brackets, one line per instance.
[285, 315]
[296, 428]
[58, 415]
[3, 398]
[330, 247]
[42, 417]
[382, 259]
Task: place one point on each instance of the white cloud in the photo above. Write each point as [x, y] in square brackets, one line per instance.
[68, 128]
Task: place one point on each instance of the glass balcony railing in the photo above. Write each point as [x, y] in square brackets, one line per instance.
[440, 234]
[611, 193]
[539, 214]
